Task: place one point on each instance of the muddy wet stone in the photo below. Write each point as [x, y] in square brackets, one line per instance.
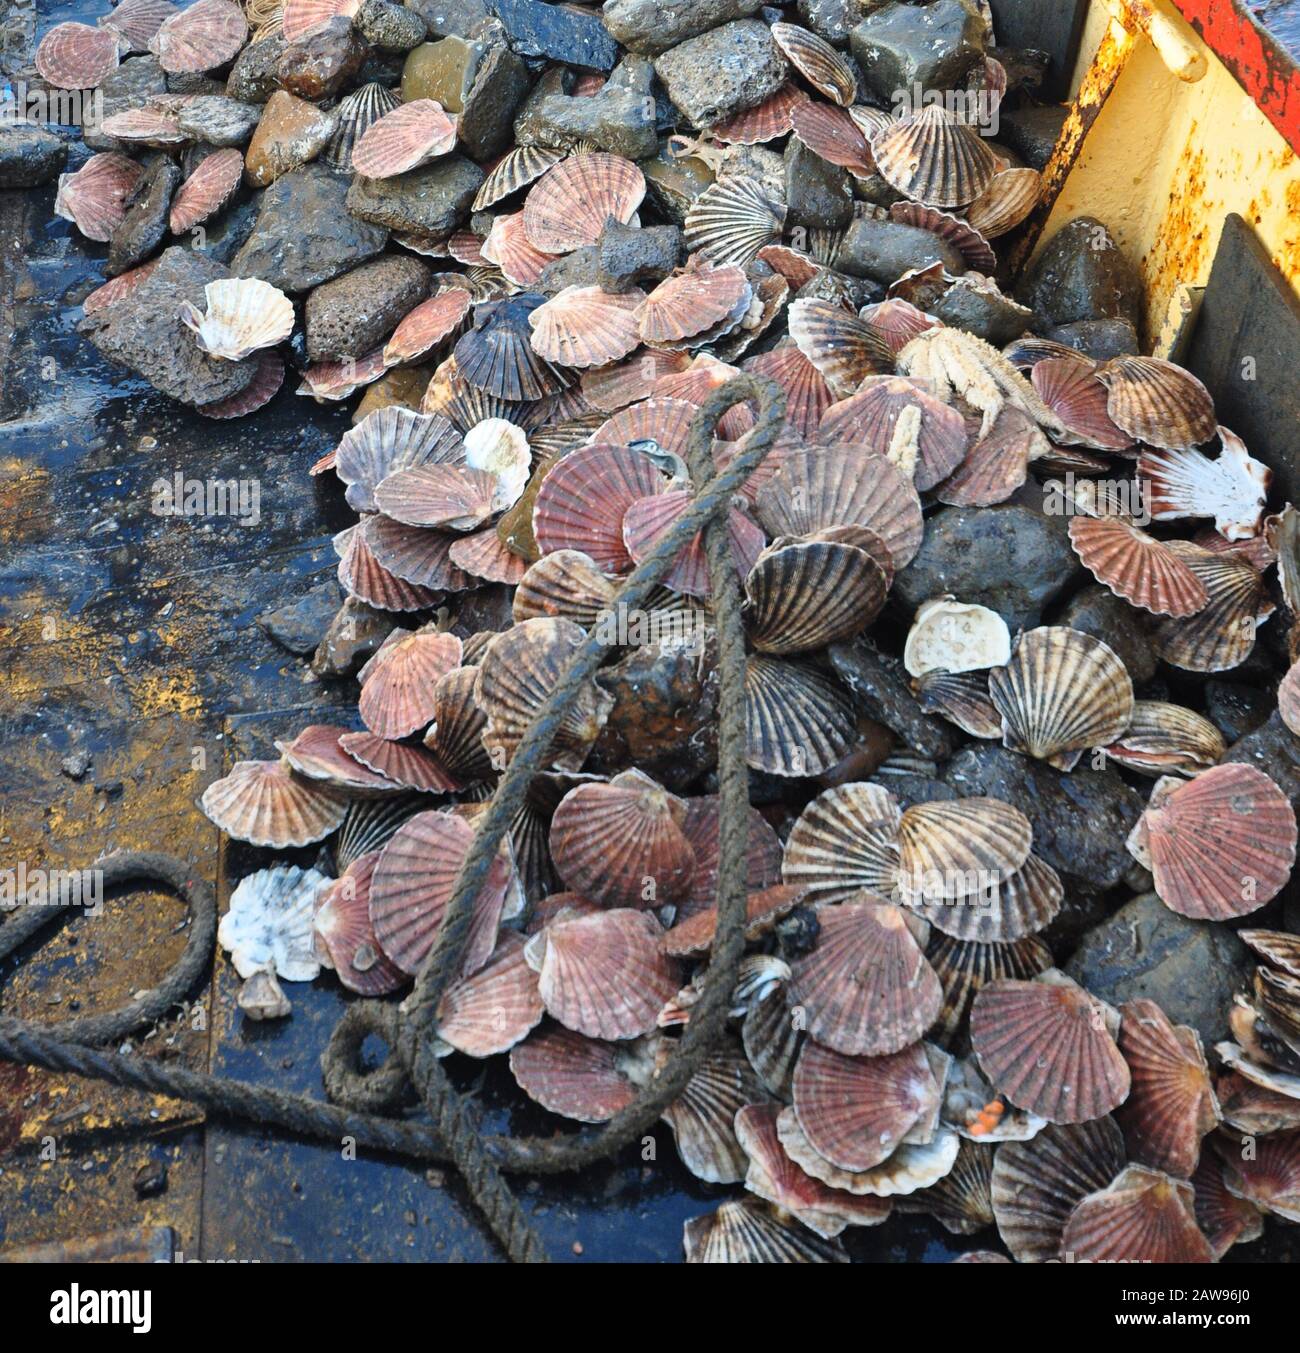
[254, 76]
[981, 309]
[353, 314]
[900, 46]
[880, 688]
[500, 85]
[217, 120]
[1082, 274]
[30, 156]
[833, 20]
[431, 200]
[884, 250]
[1097, 611]
[911, 790]
[1235, 709]
[673, 184]
[442, 70]
[305, 234]
[529, 128]
[450, 18]
[291, 133]
[818, 194]
[578, 269]
[391, 28]
[620, 121]
[723, 72]
[131, 85]
[142, 229]
[554, 31]
[1191, 969]
[318, 65]
[355, 632]
[143, 331]
[628, 256]
[1032, 132]
[653, 26]
[1010, 558]
[1101, 339]
[299, 626]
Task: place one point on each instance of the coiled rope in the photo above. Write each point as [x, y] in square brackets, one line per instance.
[408, 1030]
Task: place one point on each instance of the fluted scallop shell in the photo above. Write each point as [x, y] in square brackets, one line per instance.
[151, 125]
[648, 519]
[303, 16]
[798, 721]
[614, 387]
[703, 828]
[996, 465]
[138, 20]
[1222, 844]
[845, 840]
[831, 133]
[494, 1009]
[117, 288]
[964, 966]
[455, 737]
[356, 113]
[1165, 739]
[1225, 1220]
[266, 804]
[1171, 1106]
[569, 205]
[1046, 1046]
[730, 221]
[1268, 1176]
[243, 314]
[585, 326]
[828, 71]
[94, 198]
[623, 843]
[369, 823]
[961, 1201]
[388, 440]
[1232, 489]
[1276, 947]
[207, 190]
[568, 584]
[487, 557]
[933, 158]
[431, 323]
[413, 885]
[963, 699]
[342, 926]
[574, 1076]
[690, 302]
[752, 1232]
[449, 497]
[206, 35]
[410, 135]
[764, 122]
[603, 974]
[1221, 635]
[763, 909]
[509, 248]
[317, 754]
[269, 923]
[518, 672]
[497, 356]
[1137, 566]
[1011, 906]
[702, 1118]
[804, 596]
[330, 381]
[1158, 402]
[845, 349]
[1073, 392]
[951, 850]
[409, 767]
[866, 988]
[856, 1111]
[414, 555]
[911, 1168]
[77, 55]
[266, 382]
[1062, 692]
[1144, 1216]
[807, 394]
[1009, 198]
[398, 682]
[1037, 1184]
[662, 421]
[517, 169]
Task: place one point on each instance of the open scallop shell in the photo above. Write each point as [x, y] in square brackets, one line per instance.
[582, 502]
[1165, 739]
[94, 198]
[388, 440]
[954, 849]
[933, 158]
[954, 636]
[494, 1009]
[497, 355]
[266, 804]
[1011, 195]
[752, 1232]
[1138, 567]
[207, 190]
[690, 302]
[357, 112]
[1276, 947]
[1157, 402]
[342, 927]
[206, 35]
[77, 55]
[398, 686]
[1071, 389]
[1233, 489]
[405, 138]
[732, 220]
[828, 71]
[1221, 635]
[798, 721]
[804, 596]
[585, 326]
[845, 349]
[517, 169]
[569, 205]
[318, 754]
[243, 315]
[845, 840]
[1143, 1217]
[703, 828]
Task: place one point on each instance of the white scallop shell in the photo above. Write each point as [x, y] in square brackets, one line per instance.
[269, 923]
[244, 314]
[500, 448]
[955, 636]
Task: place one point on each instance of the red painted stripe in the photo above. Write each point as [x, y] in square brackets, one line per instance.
[1260, 65]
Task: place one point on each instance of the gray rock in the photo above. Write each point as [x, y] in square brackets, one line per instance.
[143, 331]
[353, 314]
[390, 27]
[830, 19]
[300, 625]
[653, 26]
[530, 130]
[141, 230]
[1236, 710]
[901, 46]
[450, 18]
[1190, 969]
[1083, 274]
[500, 86]
[1010, 558]
[885, 250]
[1081, 820]
[1101, 339]
[1275, 750]
[354, 634]
[981, 309]
[911, 790]
[253, 78]
[1032, 131]
[581, 268]
[305, 234]
[319, 64]
[1097, 611]
[875, 190]
[818, 194]
[723, 72]
[880, 688]
[132, 84]
[568, 35]
[225, 235]
[431, 200]
[617, 120]
[218, 120]
[628, 256]
[841, 289]
[29, 156]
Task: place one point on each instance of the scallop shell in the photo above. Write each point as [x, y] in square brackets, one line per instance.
[356, 113]
[77, 55]
[603, 974]
[964, 966]
[1232, 489]
[1224, 1219]
[117, 288]
[795, 265]
[856, 1111]
[693, 937]
[622, 844]
[494, 1009]
[342, 926]
[1136, 566]
[703, 1118]
[961, 235]
[1062, 692]
[955, 637]
[1073, 392]
[574, 1076]
[569, 205]
[933, 158]
[952, 850]
[388, 440]
[764, 122]
[303, 16]
[317, 754]
[269, 923]
[409, 767]
[450, 497]
[266, 382]
[149, 126]
[798, 721]
[585, 326]
[517, 169]
[414, 555]
[897, 322]
[1222, 634]
[138, 20]
[828, 71]
[94, 198]
[1144, 1216]
[963, 699]
[751, 1232]
[1157, 402]
[1010, 907]
[582, 502]
[1276, 947]
[832, 134]
[497, 355]
[730, 221]
[413, 885]
[1037, 1184]
[1011, 195]
[568, 584]
[807, 394]
[614, 387]
[1045, 1045]
[485, 555]
[961, 1201]
[430, 324]
[648, 519]
[1268, 1176]
[206, 35]
[266, 804]
[1171, 1106]
[509, 248]
[703, 830]
[369, 823]
[338, 380]
[911, 1168]
[397, 690]
[690, 302]
[845, 349]
[1222, 844]
[206, 191]
[996, 465]
[805, 596]
[844, 841]
[1167, 739]
[455, 736]
[664, 423]
[243, 315]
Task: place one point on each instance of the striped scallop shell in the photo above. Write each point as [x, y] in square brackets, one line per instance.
[206, 35]
[414, 555]
[897, 322]
[688, 303]
[1225, 1220]
[866, 988]
[398, 683]
[603, 974]
[953, 849]
[832, 134]
[798, 721]
[996, 465]
[703, 1117]
[369, 823]
[331, 381]
[963, 699]
[961, 1201]
[1003, 205]
[772, 1040]
[356, 114]
[119, 287]
[730, 221]
[1157, 402]
[663, 421]
[1276, 947]
[585, 326]
[516, 169]
[94, 198]
[1221, 845]
[207, 189]
[752, 1232]
[455, 737]
[1269, 1176]
[430, 324]
[509, 248]
[807, 394]
[409, 767]
[266, 804]
[138, 20]
[1046, 1046]
[845, 349]
[764, 122]
[1073, 392]
[1038, 1183]
[388, 440]
[494, 1009]
[77, 55]
[243, 314]
[912, 1168]
[804, 596]
[266, 382]
[568, 584]
[410, 135]
[961, 235]
[845, 840]
[828, 71]
[703, 828]
[614, 387]
[343, 929]
[933, 158]
[648, 519]
[1221, 635]
[449, 497]
[568, 206]
[1011, 906]
[497, 355]
[1136, 566]
[318, 754]
[1165, 739]
[964, 966]
[575, 1076]
[1143, 1217]
[151, 125]
[1062, 692]
[1171, 1106]
[301, 17]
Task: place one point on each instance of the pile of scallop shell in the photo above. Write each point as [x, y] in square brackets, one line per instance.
[901, 1035]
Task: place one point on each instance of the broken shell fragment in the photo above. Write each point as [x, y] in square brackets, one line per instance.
[268, 923]
[955, 636]
[1233, 489]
